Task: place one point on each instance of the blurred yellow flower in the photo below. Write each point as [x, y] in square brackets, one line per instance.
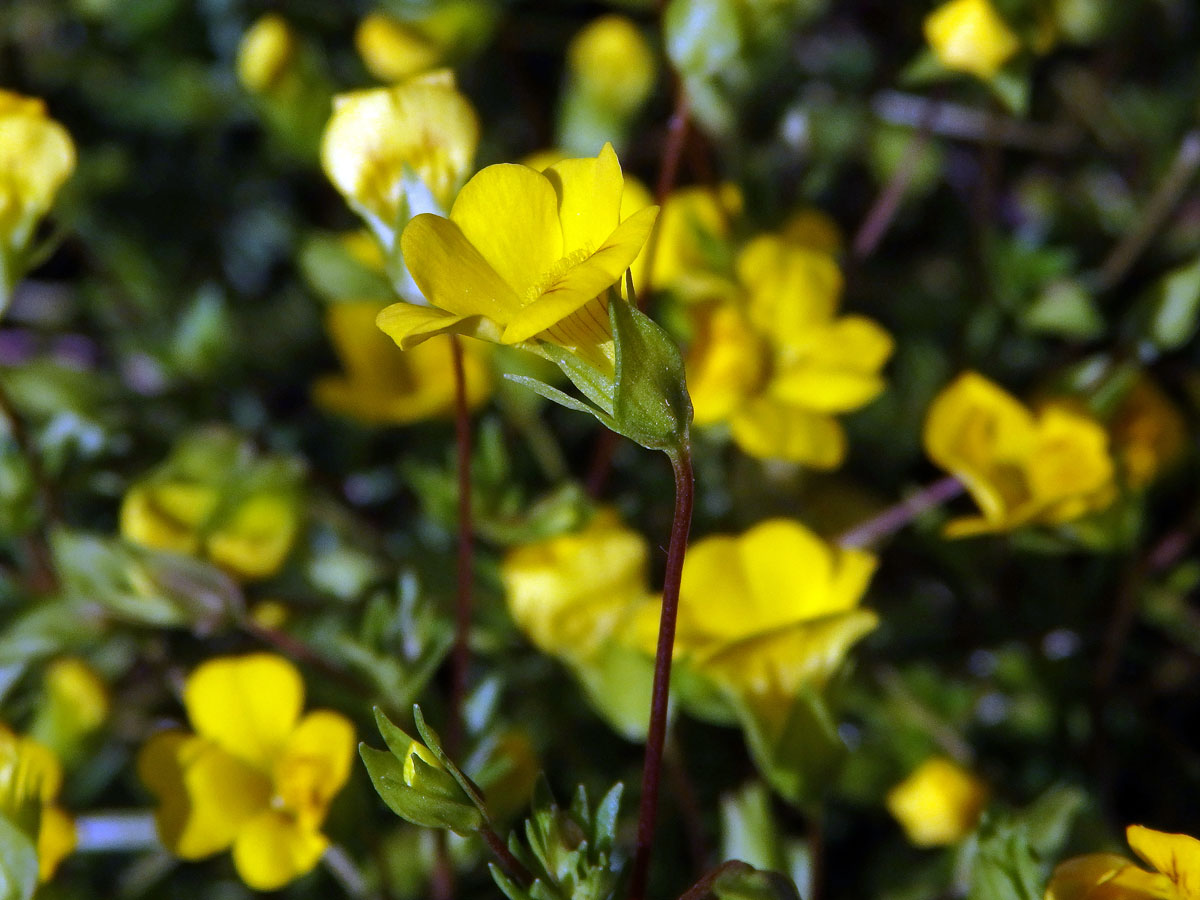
[30, 780]
[764, 614]
[423, 126]
[255, 777]
[776, 363]
[393, 50]
[611, 60]
[1107, 876]
[970, 36]
[569, 593]
[265, 53]
[209, 501]
[693, 229]
[525, 256]
[1148, 433]
[75, 703]
[384, 385]
[36, 156]
[1020, 468]
[938, 804]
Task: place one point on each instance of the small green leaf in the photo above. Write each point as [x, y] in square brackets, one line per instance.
[702, 36]
[1064, 308]
[1175, 307]
[1005, 867]
[395, 738]
[412, 805]
[651, 404]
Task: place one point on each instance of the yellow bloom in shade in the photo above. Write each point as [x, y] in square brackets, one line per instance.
[777, 364]
[393, 50]
[257, 776]
[385, 385]
[764, 614]
[569, 593]
[970, 36]
[938, 804]
[1148, 433]
[1020, 468]
[611, 60]
[75, 703]
[1107, 876]
[525, 256]
[30, 781]
[36, 156]
[695, 224]
[423, 126]
[267, 50]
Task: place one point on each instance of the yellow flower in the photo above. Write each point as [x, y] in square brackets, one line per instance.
[611, 60]
[384, 385]
[767, 613]
[266, 52]
[209, 501]
[1148, 433]
[814, 229]
[970, 36]
[255, 777]
[1107, 876]
[938, 804]
[74, 705]
[424, 126]
[1020, 468]
[30, 780]
[776, 363]
[393, 50]
[525, 256]
[36, 157]
[570, 593]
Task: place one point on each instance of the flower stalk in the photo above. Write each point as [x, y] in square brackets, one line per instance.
[461, 658]
[681, 464]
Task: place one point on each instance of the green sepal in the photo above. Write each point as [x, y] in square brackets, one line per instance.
[651, 405]
[799, 758]
[554, 395]
[411, 804]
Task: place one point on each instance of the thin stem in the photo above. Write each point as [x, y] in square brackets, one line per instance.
[703, 887]
[1172, 187]
[875, 529]
[816, 853]
[681, 463]
[461, 659]
[511, 865]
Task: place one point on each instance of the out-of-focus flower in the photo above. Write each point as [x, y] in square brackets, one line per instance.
[74, 705]
[384, 385]
[970, 36]
[210, 500]
[1148, 433]
[764, 614]
[1107, 876]
[611, 60]
[814, 229]
[938, 804]
[36, 156]
[393, 50]
[691, 243]
[265, 54]
[776, 363]
[381, 144]
[255, 776]
[30, 780]
[569, 593]
[525, 257]
[1020, 468]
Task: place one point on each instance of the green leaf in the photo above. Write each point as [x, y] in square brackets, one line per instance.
[799, 759]
[1048, 820]
[412, 805]
[651, 405]
[1064, 308]
[397, 741]
[1175, 307]
[1005, 867]
[702, 36]
[18, 862]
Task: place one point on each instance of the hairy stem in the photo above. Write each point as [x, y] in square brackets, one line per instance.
[681, 463]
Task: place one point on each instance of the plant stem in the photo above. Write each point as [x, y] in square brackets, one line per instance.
[511, 865]
[895, 517]
[461, 659]
[703, 887]
[681, 464]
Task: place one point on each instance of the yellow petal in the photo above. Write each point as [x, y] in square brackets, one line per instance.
[452, 274]
[36, 157]
[205, 794]
[1106, 876]
[825, 389]
[272, 850]
[587, 333]
[314, 766]
[255, 540]
[509, 214]
[765, 428]
[589, 199]
[167, 516]
[1175, 855]
[970, 36]
[1070, 462]
[265, 53]
[248, 705]
[792, 288]
[56, 839]
[612, 61]
[725, 363]
[938, 804]
[393, 50]
[581, 282]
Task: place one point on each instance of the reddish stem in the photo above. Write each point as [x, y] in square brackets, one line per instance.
[681, 463]
[461, 660]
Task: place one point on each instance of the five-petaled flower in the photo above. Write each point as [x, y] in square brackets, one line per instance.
[1109, 876]
[255, 776]
[1020, 467]
[525, 257]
